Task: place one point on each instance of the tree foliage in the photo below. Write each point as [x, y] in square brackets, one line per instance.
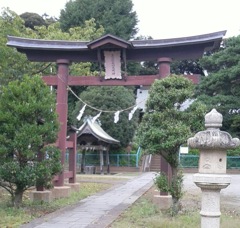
[221, 88]
[32, 19]
[186, 67]
[28, 124]
[165, 127]
[13, 65]
[110, 99]
[117, 17]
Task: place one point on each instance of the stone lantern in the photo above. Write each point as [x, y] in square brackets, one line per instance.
[212, 144]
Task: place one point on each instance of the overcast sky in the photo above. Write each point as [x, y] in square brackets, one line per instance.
[159, 18]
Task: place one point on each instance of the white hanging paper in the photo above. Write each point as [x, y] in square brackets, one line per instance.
[116, 116]
[96, 117]
[132, 112]
[81, 113]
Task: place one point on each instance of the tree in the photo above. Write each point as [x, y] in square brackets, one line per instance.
[110, 99]
[117, 17]
[164, 128]
[28, 125]
[49, 19]
[186, 66]
[221, 88]
[13, 65]
[32, 19]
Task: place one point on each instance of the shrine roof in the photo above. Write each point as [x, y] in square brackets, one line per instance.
[93, 128]
[137, 50]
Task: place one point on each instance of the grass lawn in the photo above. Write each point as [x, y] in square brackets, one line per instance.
[89, 185]
[14, 217]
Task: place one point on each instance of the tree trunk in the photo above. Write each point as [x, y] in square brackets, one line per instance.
[39, 185]
[176, 191]
[83, 161]
[17, 198]
[108, 162]
[176, 206]
[101, 162]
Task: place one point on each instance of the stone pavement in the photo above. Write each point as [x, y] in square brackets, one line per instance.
[100, 210]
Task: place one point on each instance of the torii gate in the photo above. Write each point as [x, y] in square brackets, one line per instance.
[64, 52]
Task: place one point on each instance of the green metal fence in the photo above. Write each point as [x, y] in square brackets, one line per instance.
[131, 160]
[191, 161]
[233, 162]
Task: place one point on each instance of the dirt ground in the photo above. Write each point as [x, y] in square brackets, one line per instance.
[230, 197]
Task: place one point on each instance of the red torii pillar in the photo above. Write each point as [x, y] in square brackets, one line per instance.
[164, 66]
[164, 71]
[62, 110]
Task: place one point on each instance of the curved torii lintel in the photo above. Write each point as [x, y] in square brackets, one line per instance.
[191, 47]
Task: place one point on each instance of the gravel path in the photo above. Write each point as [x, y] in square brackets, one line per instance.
[230, 196]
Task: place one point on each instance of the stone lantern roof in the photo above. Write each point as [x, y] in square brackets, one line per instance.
[212, 137]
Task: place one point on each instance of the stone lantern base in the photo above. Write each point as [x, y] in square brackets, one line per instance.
[61, 192]
[163, 202]
[45, 196]
[211, 185]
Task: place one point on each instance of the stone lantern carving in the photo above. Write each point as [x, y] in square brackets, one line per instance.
[212, 144]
